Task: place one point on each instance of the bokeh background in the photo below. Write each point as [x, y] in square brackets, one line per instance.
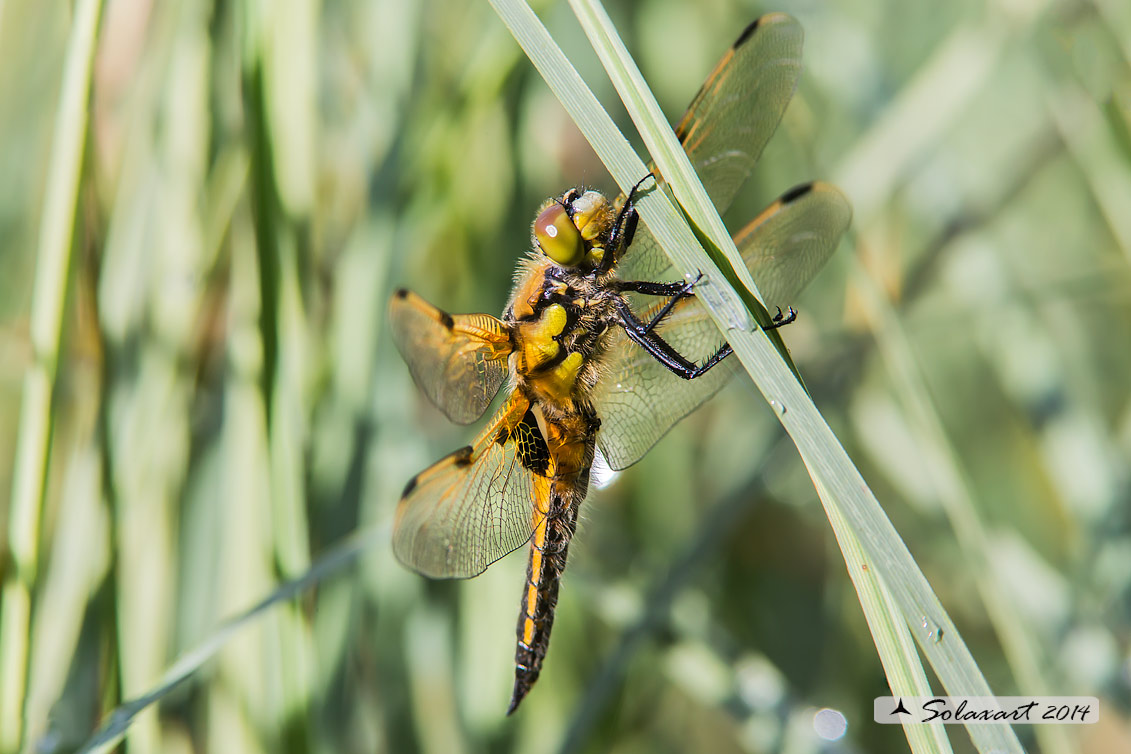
[254, 180]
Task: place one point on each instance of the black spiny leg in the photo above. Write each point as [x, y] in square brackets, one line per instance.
[679, 291]
[624, 228]
[781, 320]
[676, 291]
[663, 352]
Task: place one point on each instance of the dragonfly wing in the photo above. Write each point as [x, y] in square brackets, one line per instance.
[475, 505]
[458, 361]
[739, 106]
[641, 399]
[784, 247]
[727, 125]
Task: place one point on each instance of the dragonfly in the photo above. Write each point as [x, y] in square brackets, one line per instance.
[589, 365]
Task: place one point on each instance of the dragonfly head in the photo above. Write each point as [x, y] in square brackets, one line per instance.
[567, 228]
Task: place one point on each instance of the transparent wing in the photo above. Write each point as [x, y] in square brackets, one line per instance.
[641, 400]
[458, 361]
[729, 122]
[784, 247]
[789, 242]
[476, 505]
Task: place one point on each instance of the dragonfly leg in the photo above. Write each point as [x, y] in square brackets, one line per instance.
[662, 351]
[624, 228]
[677, 291]
[781, 320]
[648, 288]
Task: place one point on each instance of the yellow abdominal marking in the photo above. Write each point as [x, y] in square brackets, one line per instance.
[537, 543]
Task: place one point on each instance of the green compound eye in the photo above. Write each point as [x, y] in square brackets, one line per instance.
[558, 237]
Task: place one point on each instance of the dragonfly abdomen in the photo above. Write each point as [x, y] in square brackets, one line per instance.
[557, 501]
[548, 551]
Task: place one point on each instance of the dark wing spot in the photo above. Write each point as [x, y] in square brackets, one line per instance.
[462, 457]
[745, 35]
[533, 453]
[796, 193]
[400, 293]
[446, 320]
[683, 130]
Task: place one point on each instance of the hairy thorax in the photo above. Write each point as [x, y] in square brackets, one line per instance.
[561, 330]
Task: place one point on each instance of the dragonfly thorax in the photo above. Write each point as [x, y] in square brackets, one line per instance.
[560, 321]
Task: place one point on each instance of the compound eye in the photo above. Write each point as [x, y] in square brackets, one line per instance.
[558, 237]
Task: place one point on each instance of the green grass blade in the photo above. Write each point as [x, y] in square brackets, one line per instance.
[340, 557]
[957, 497]
[905, 673]
[56, 232]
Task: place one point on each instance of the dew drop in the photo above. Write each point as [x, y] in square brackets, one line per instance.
[934, 632]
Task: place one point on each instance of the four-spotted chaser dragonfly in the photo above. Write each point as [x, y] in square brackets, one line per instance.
[588, 369]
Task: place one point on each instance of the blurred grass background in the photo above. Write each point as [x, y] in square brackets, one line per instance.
[225, 406]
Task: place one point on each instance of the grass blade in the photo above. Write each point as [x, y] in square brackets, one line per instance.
[836, 478]
[56, 232]
[340, 557]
